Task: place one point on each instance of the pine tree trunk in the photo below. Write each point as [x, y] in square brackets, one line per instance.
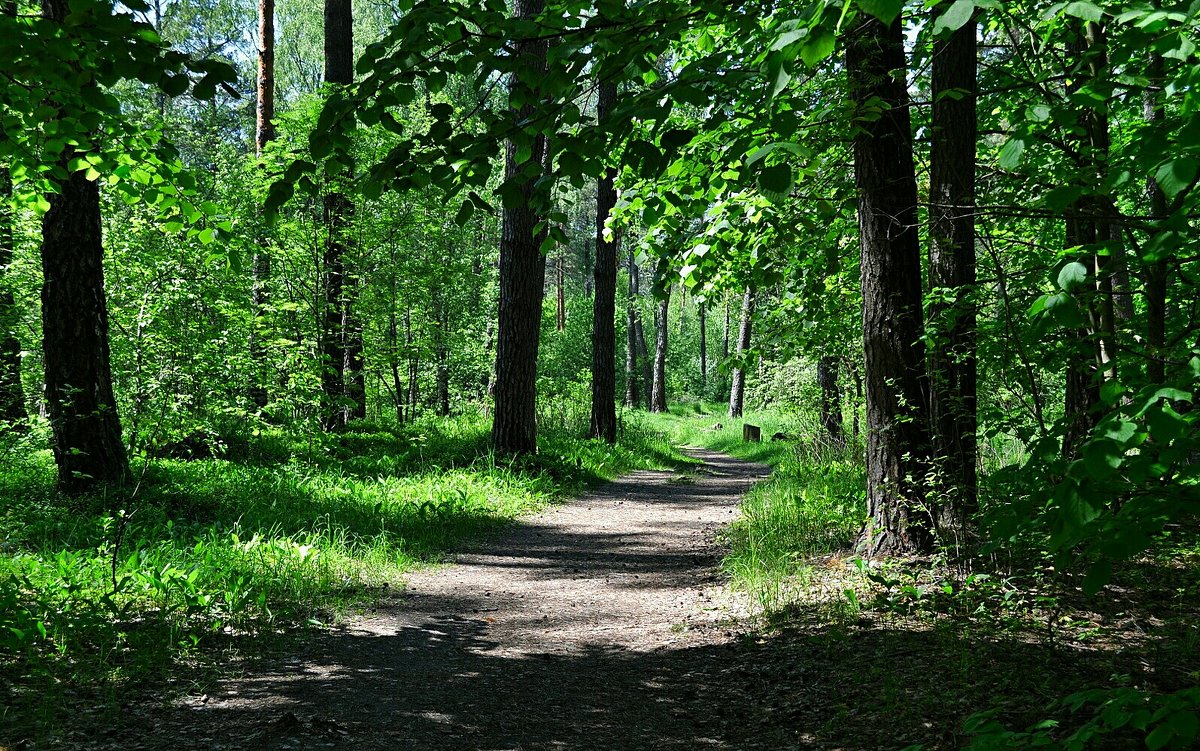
[737, 391]
[604, 301]
[897, 400]
[260, 265]
[952, 355]
[79, 396]
[522, 275]
[831, 400]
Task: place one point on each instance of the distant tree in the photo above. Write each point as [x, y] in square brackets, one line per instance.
[737, 390]
[831, 399]
[658, 388]
[604, 376]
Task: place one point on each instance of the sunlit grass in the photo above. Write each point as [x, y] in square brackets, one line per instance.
[812, 505]
[284, 529]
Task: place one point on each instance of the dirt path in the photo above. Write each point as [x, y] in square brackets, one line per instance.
[594, 625]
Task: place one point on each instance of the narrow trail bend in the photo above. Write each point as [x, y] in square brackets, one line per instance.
[593, 625]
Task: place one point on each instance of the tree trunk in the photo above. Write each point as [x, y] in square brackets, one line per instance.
[632, 373]
[831, 400]
[952, 355]
[604, 300]
[897, 400]
[1085, 225]
[12, 393]
[560, 293]
[441, 352]
[737, 391]
[260, 265]
[703, 313]
[658, 387]
[1156, 274]
[647, 362]
[86, 430]
[354, 386]
[522, 271]
[339, 69]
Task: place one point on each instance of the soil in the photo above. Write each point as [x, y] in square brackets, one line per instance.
[593, 625]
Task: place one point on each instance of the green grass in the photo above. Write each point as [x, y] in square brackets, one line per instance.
[285, 529]
[812, 505]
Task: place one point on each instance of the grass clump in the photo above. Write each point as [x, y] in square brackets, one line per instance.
[812, 505]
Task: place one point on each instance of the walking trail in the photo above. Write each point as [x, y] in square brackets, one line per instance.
[598, 624]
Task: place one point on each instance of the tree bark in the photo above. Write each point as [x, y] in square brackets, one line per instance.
[264, 133]
[1157, 272]
[703, 314]
[897, 391]
[1085, 225]
[339, 70]
[737, 390]
[87, 445]
[560, 283]
[354, 386]
[658, 388]
[632, 372]
[952, 355]
[522, 272]
[604, 299]
[831, 400]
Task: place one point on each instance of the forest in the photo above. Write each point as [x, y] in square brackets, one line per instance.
[863, 334]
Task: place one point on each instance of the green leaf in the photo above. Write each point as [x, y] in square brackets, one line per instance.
[819, 46]
[1177, 175]
[775, 180]
[1087, 11]
[954, 17]
[464, 213]
[1010, 154]
[1159, 737]
[1073, 275]
[884, 10]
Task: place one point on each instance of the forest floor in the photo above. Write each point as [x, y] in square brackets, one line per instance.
[606, 622]
[600, 624]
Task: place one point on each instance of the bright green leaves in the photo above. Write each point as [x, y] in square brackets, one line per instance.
[1072, 276]
[1011, 153]
[954, 17]
[1089, 12]
[819, 45]
[1177, 175]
